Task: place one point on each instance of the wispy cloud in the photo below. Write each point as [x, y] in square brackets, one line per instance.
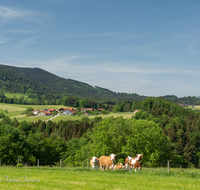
[20, 31]
[8, 14]
[93, 35]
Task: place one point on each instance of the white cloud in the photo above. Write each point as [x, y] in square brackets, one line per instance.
[8, 14]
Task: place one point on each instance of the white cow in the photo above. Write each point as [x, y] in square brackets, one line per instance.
[94, 162]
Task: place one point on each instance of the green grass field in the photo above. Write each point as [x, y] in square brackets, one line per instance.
[17, 95]
[16, 111]
[76, 178]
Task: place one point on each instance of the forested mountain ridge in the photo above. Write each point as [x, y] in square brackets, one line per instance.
[39, 81]
[13, 82]
[69, 86]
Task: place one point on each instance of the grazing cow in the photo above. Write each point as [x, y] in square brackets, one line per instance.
[136, 162]
[107, 161]
[94, 162]
[119, 166]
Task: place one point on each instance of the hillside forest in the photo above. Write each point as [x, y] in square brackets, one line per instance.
[161, 130]
[43, 87]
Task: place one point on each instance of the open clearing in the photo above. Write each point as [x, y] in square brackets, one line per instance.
[77, 178]
[17, 111]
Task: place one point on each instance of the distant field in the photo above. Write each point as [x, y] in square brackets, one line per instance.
[193, 108]
[77, 178]
[16, 106]
[16, 111]
[17, 95]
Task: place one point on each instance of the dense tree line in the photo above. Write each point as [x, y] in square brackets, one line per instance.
[180, 125]
[42, 140]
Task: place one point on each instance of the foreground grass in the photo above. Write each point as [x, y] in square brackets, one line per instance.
[77, 178]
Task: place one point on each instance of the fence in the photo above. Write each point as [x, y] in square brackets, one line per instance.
[86, 164]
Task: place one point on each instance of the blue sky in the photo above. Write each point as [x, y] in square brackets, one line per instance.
[148, 47]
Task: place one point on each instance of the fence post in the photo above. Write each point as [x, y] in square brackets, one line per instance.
[168, 165]
[88, 163]
[18, 160]
[61, 163]
[38, 163]
[83, 164]
[180, 168]
[0, 162]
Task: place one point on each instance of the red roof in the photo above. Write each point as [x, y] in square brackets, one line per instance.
[47, 112]
[51, 109]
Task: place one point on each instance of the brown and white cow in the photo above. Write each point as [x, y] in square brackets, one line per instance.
[135, 163]
[94, 162]
[107, 161]
[127, 162]
[119, 166]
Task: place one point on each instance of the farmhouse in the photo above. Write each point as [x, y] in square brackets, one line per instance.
[100, 110]
[68, 112]
[135, 111]
[43, 113]
[62, 109]
[35, 112]
[88, 109]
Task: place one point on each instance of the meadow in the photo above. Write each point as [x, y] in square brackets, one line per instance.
[17, 111]
[46, 178]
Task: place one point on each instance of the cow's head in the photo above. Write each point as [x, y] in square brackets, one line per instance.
[112, 156]
[139, 156]
[94, 159]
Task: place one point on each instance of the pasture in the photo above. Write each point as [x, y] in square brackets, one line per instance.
[17, 111]
[46, 178]
[17, 95]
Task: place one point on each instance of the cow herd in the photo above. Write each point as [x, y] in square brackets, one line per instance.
[108, 162]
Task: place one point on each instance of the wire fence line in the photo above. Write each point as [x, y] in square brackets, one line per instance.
[86, 165]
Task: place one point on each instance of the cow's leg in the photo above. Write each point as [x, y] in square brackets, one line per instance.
[93, 167]
[126, 166]
[113, 167]
[101, 166]
[107, 167]
[130, 169]
[136, 169]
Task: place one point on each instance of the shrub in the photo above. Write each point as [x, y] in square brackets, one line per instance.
[19, 165]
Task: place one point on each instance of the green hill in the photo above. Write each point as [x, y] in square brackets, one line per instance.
[69, 86]
[13, 82]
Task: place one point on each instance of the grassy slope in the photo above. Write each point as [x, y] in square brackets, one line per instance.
[17, 95]
[77, 178]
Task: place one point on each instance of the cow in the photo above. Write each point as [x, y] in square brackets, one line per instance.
[119, 166]
[94, 162]
[136, 162]
[127, 162]
[139, 157]
[107, 161]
